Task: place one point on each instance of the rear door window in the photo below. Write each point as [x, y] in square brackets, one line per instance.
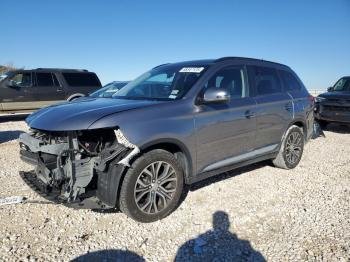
[289, 81]
[266, 81]
[82, 79]
[44, 79]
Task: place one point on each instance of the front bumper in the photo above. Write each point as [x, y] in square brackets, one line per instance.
[60, 182]
[88, 201]
[63, 176]
[333, 113]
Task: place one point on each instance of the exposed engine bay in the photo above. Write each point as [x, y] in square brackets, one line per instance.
[72, 166]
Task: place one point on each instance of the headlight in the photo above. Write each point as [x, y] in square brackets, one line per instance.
[319, 99]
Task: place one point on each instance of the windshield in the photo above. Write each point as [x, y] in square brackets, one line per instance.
[168, 82]
[342, 85]
[108, 90]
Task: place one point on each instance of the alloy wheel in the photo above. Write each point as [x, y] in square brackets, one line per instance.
[155, 187]
[294, 147]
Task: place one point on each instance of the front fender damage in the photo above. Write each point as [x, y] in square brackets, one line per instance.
[77, 168]
[124, 141]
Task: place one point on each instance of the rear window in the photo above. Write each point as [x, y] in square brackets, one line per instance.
[81, 79]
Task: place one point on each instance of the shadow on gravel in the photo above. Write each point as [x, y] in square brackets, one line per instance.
[218, 244]
[220, 177]
[337, 128]
[110, 255]
[106, 211]
[6, 136]
[7, 118]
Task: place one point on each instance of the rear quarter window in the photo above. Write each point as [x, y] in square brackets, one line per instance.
[82, 79]
[289, 81]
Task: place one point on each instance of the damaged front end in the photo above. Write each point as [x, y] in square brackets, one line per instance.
[77, 168]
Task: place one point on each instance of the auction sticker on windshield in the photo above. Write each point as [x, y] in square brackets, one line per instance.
[191, 70]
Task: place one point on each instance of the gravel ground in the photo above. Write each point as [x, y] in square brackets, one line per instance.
[252, 214]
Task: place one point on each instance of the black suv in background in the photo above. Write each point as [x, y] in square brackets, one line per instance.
[23, 90]
[334, 105]
[176, 124]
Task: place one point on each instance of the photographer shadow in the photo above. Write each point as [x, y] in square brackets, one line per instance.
[218, 244]
[109, 256]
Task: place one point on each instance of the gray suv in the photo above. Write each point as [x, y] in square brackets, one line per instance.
[176, 124]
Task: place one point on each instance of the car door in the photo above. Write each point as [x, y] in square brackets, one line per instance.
[46, 90]
[274, 108]
[15, 91]
[225, 132]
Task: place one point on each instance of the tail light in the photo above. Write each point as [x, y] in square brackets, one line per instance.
[311, 98]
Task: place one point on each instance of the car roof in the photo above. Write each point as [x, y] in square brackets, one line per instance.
[190, 63]
[65, 70]
[245, 60]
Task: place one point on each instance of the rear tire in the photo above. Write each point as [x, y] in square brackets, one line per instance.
[291, 150]
[152, 186]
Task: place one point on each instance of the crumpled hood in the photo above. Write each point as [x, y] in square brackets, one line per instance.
[336, 95]
[80, 114]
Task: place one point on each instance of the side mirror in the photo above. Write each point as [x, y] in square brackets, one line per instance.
[216, 95]
[12, 84]
[330, 89]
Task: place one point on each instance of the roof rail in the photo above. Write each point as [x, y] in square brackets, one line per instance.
[62, 69]
[226, 58]
[245, 58]
[160, 65]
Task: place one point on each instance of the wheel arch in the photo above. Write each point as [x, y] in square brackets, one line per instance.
[175, 147]
[296, 122]
[299, 123]
[76, 95]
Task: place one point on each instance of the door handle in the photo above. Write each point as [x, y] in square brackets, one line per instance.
[248, 114]
[288, 106]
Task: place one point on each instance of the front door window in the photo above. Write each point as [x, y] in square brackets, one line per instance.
[21, 80]
[231, 79]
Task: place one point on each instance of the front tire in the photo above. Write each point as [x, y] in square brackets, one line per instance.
[291, 150]
[152, 186]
